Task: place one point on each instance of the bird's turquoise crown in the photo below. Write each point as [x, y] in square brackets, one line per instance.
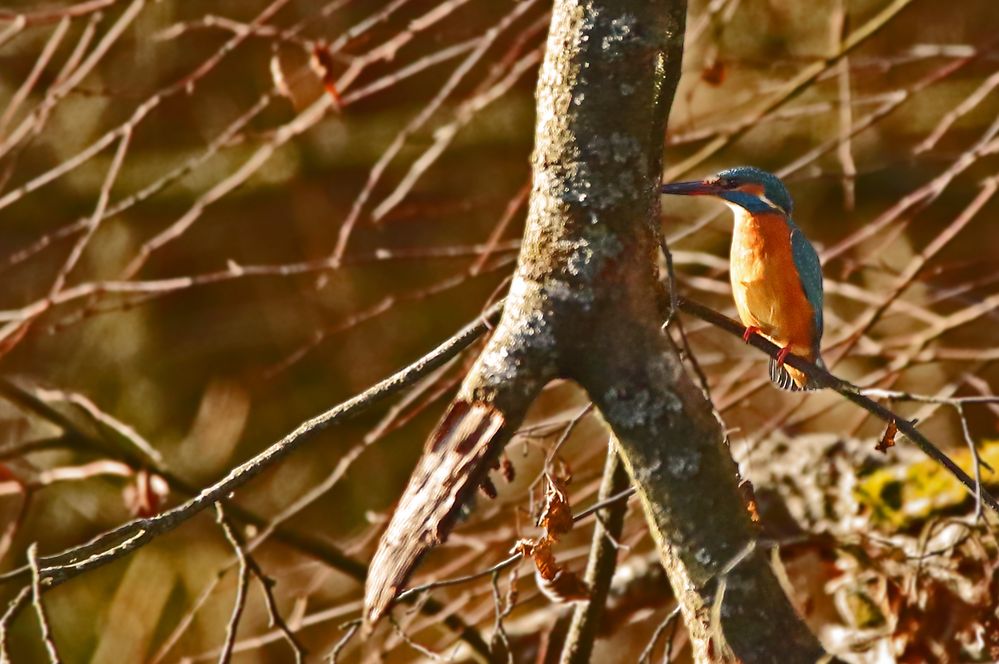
[773, 188]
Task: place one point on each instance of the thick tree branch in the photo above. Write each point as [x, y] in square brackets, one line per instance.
[586, 304]
[597, 170]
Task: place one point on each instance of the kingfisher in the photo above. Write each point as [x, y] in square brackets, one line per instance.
[776, 275]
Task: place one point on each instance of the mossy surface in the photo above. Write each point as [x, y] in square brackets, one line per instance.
[901, 497]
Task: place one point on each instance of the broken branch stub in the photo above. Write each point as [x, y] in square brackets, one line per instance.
[465, 444]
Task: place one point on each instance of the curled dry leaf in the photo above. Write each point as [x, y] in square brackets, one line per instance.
[322, 63]
[297, 81]
[488, 488]
[279, 78]
[557, 583]
[556, 515]
[7, 475]
[888, 439]
[11, 334]
[714, 73]
[565, 587]
[506, 468]
[144, 497]
[554, 581]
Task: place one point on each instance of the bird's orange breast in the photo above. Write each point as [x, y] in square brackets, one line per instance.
[765, 283]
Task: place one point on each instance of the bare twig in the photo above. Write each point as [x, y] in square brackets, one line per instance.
[52, 14]
[845, 152]
[242, 583]
[413, 592]
[670, 619]
[13, 608]
[899, 395]
[418, 647]
[36, 71]
[247, 565]
[976, 460]
[125, 539]
[352, 628]
[36, 598]
[501, 642]
[586, 616]
[791, 89]
[378, 170]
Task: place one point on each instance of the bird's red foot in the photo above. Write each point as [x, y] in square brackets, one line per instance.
[750, 331]
[782, 355]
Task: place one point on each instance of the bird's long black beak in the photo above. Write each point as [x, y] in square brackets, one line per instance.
[696, 188]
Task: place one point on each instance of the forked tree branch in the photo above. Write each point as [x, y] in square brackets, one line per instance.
[586, 304]
[471, 332]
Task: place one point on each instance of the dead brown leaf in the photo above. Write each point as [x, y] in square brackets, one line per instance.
[488, 488]
[322, 63]
[714, 73]
[556, 582]
[566, 586]
[888, 439]
[749, 496]
[506, 468]
[556, 515]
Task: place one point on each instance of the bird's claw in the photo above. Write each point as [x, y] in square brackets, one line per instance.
[782, 355]
[750, 331]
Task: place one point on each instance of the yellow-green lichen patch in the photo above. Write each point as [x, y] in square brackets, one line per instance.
[899, 497]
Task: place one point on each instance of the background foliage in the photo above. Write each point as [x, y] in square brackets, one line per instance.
[201, 246]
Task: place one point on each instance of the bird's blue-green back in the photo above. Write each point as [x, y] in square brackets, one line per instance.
[810, 272]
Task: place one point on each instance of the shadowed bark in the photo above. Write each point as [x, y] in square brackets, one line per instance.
[587, 304]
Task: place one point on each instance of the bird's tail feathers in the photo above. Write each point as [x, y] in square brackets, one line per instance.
[792, 380]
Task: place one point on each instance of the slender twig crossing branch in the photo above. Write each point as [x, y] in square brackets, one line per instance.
[56, 569]
[242, 586]
[600, 568]
[36, 598]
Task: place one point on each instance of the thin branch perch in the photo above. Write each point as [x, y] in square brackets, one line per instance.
[849, 391]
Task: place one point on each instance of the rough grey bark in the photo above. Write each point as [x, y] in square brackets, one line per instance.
[586, 303]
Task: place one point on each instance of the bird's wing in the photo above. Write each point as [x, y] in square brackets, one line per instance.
[810, 272]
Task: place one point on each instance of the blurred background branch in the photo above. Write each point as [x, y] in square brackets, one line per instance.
[217, 149]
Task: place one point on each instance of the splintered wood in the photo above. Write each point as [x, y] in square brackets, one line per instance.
[456, 459]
